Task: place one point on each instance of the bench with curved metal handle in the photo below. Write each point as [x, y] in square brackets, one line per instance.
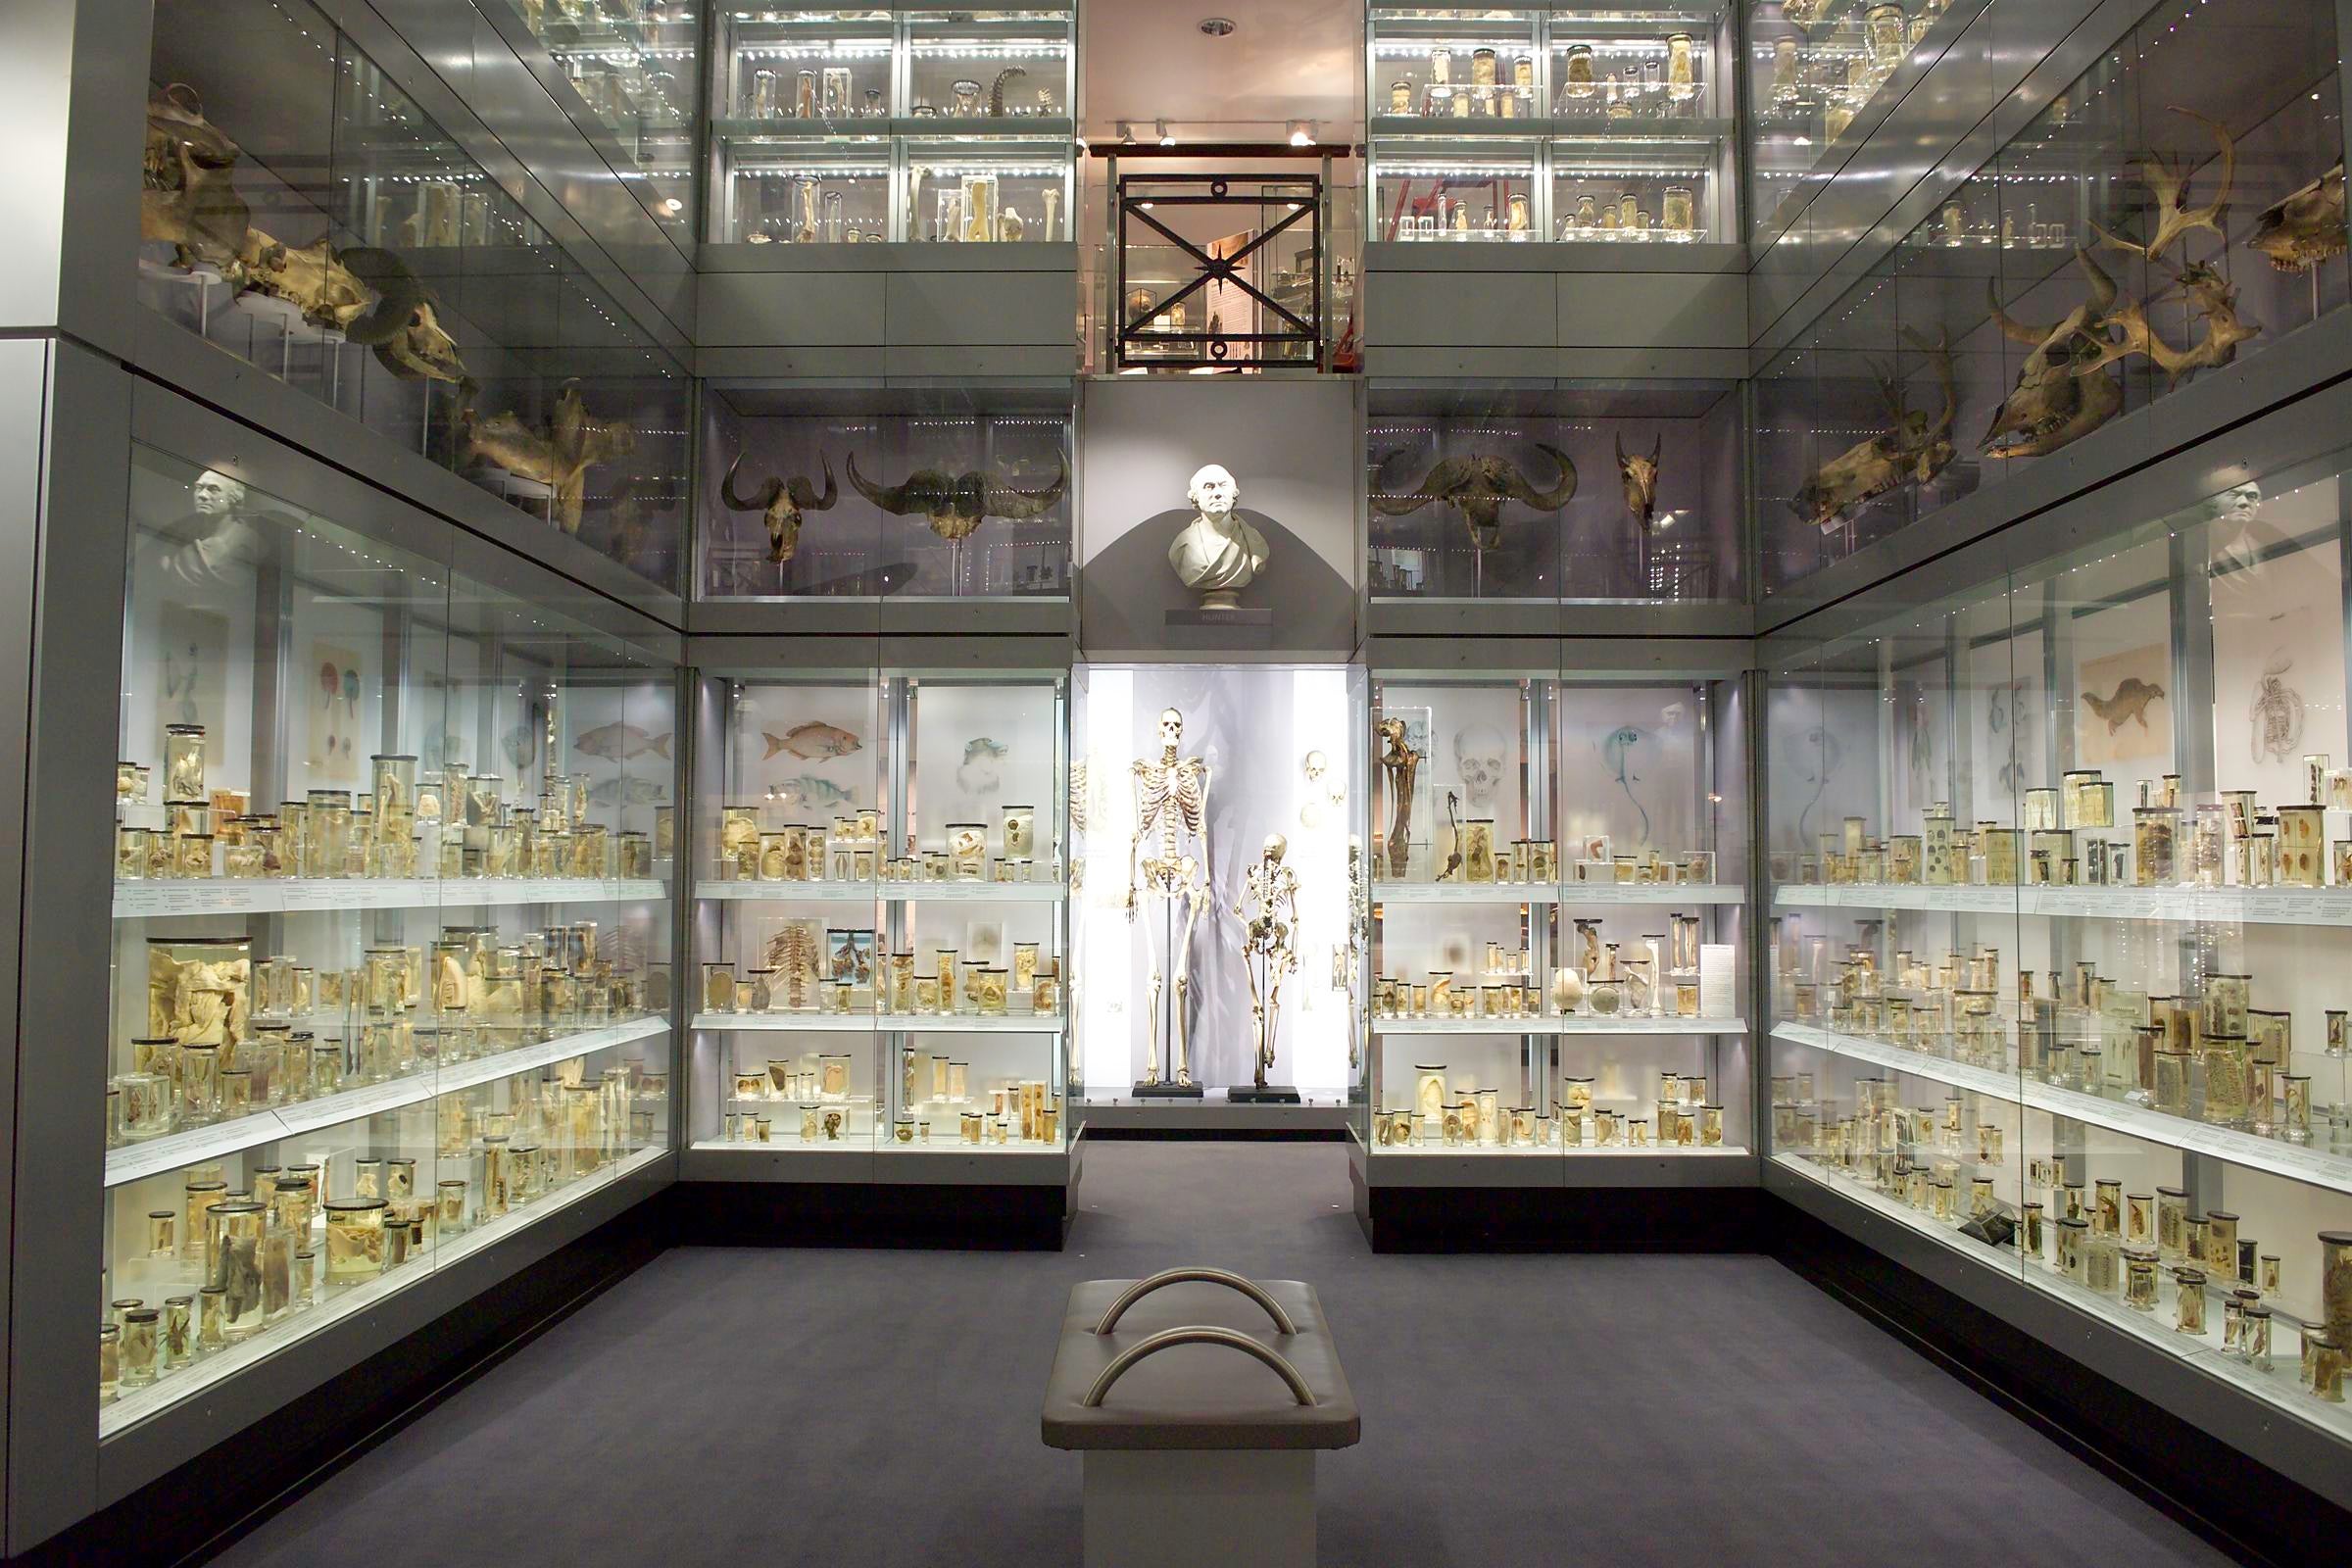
[1208, 1276]
[1197, 1334]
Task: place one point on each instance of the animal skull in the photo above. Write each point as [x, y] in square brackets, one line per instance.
[1478, 752]
[955, 507]
[2054, 403]
[558, 458]
[1910, 450]
[2210, 296]
[781, 505]
[1641, 477]
[1476, 487]
[2305, 228]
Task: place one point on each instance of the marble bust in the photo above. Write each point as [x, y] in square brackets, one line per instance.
[1217, 554]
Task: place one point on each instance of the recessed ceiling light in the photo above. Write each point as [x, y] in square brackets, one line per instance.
[1216, 27]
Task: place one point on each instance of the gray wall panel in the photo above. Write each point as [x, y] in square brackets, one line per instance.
[956, 307]
[1441, 309]
[1651, 310]
[801, 309]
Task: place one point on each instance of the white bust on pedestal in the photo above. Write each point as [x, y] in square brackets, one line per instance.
[1217, 554]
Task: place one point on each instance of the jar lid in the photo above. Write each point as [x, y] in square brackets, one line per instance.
[354, 1205]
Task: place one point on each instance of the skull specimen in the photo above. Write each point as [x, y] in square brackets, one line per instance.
[781, 504]
[2210, 297]
[1478, 752]
[1477, 487]
[2052, 406]
[1909, 451]
[187, 190]
[955, 507]
[1641, 477]
[560, 456]
[2305, 228]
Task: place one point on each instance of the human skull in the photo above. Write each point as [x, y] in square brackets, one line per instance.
[1213, 491]
[1276, 848]
[1478, 758]
[1171, 727]
[1317, 764]
[217, 495]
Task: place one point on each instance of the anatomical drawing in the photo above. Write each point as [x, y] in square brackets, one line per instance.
[1269, 916]
[1478, 754]
[1168, 863]
[1399, 765]
[1477, 487]
[1911, 451]
[1639, 476]
[955, 507]
[2129, 703]
[781, 504]
[558, 456]
[2305, 228]
[2276, 712]
[1617, 760]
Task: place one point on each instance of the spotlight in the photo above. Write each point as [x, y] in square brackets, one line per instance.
[1303, 133]
[1166, 140]
[1126, 131]
[1217, 27]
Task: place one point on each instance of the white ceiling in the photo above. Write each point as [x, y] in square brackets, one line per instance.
[1147, 60]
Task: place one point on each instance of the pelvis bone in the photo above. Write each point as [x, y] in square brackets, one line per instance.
[1641, 477]
[1477, 487]
[2052, 406]
[1911, 450]
[781, 504]
[2305, 228]
[560, 456]
[955, 507]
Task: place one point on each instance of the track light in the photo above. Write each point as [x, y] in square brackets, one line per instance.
[1126, 131]
[1303, 133]
[1166, 140]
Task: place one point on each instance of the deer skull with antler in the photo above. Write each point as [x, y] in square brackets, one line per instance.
[1477, 487]
[1641, 477]
[781, 504]
[2168, 178]
[2210, 297]
[2052, 406]
[1910, 450]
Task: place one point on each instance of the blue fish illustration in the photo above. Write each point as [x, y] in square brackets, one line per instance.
[1616, 755]
[810, 792]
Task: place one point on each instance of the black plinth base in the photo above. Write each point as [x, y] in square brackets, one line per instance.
[1164, 1090]
[1267, 1095]
[1240, 616]
[1555, 1220]
[937, 1215]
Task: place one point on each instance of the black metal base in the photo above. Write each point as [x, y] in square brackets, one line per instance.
[1261, 1095]
[1562, 1219]
[1008, 1218]
[1169, 1090]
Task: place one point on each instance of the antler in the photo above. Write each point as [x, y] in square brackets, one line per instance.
[1939, 351]
[1004, 501]
[1516, 485]
[2169, 179]
[891, 498]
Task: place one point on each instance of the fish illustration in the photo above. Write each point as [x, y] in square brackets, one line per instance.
[810, 792]
[813, 742]
[1617, 757]
[617, 742]
[522, 746]
[631, 790]
[2129, 701]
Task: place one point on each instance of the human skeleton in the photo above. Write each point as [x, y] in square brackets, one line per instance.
[1171, 805]
[1269, 916]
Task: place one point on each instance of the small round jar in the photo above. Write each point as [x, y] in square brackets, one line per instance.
[2188, 1301]
[354, 1240]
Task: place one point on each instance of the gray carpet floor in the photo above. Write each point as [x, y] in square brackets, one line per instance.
[869, 1407]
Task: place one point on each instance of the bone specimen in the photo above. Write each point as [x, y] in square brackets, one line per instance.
[954, 507]
[2051, 404]
[2210, 297]
[1399, 765]
[2305, 228]
[1641, 477]
[781, 504]
[560, 456]
[2168, 178]
[1477, 487]
[1910, 450]
[996, 92]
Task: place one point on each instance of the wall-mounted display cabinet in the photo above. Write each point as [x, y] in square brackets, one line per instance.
[2061, 897]
[300, 211]
[1605, 125]
[917, 123]
[391, 966]
[1558, 910]
[881, 943]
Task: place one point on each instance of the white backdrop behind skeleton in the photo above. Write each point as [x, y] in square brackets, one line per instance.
[1254, 726]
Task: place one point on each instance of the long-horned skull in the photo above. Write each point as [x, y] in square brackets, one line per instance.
[1911, 450]
[1477, 487]
[2052, 405]
[955, 507]
[1641, 477]
[2306, 228]
[781, 504]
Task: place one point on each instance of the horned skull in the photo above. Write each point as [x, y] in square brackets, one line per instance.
[2210, 298]
[2305, 228]
[1476, 487]
[1909, 451]
[955, 507]
[781, 504]
[187, 190]
[1641, 477]
[560, 456]
[2055, 403]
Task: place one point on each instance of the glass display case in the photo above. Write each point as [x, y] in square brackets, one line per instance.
[1610, 125]
[880, 890]
[1543, 490]
[909, 124]
[2062, 876]
[326, 231]
[634, 66]
[870, 493]
[1932, 377]
[391, 958]
[1557, 896]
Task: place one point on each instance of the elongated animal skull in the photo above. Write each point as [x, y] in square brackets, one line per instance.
[955, 507]
[1477, 487]
[2305, 228]
[1909, 451]
[188, 190]
[559, 457]
[2052, 406]
[1641, 477]
[781, 504]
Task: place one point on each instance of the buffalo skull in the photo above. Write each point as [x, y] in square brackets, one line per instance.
[955, 507]
[781, 504]
[1641, 477]
[1477, 487]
